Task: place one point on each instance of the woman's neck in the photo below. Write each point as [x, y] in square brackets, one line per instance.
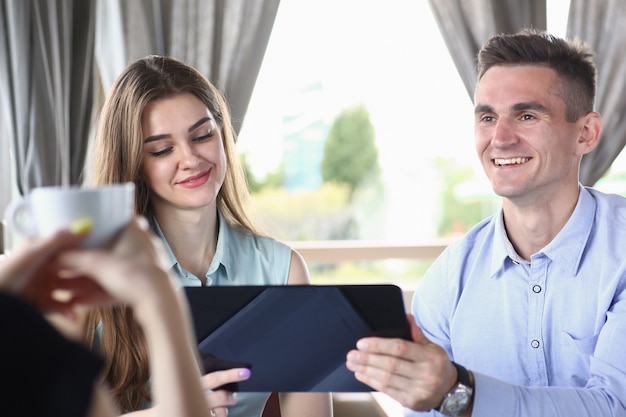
[192, 236]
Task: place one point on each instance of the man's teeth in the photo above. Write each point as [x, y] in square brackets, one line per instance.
[510, 161]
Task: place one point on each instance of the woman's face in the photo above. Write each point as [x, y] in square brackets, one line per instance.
[184, 162]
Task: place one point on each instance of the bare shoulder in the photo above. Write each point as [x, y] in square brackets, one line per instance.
[298, 270]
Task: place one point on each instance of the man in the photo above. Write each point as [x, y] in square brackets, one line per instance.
[526, 315]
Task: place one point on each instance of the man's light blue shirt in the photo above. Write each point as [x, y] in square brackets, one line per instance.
[545, 337]
[240, 259]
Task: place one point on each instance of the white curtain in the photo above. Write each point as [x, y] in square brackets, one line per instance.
[224, 39]
[46, 67]
[466, 24]
[603, 24]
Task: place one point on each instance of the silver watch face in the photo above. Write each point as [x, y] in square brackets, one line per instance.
[457, 401]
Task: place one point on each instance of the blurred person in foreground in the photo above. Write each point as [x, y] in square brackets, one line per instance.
[526, 314]
[46, 374]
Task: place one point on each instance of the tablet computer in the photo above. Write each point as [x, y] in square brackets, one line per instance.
[294, 338]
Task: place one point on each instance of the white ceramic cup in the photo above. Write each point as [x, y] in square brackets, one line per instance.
[47, 209]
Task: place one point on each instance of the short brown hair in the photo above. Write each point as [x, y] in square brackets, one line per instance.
[573, 61]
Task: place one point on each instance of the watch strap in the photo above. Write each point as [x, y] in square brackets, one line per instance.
[463, 375]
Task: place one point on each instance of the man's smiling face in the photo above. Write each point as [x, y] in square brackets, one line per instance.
[525, 144]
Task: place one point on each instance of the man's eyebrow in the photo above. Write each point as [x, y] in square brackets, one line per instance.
[167, 135]
[531, 105]
[483, 108]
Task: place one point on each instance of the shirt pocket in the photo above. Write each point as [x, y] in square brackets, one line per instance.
[574, 357]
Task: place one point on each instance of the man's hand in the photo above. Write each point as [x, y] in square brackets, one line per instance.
[415, 373]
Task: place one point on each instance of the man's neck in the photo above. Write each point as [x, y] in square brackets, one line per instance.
[532, 227]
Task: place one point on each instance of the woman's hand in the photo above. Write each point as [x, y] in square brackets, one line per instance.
[31, 271]
[55, 275]
[130, 272]
[218, 401]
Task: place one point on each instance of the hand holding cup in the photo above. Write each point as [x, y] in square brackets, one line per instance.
[46, 210]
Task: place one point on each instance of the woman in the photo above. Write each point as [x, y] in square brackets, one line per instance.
[166, 128]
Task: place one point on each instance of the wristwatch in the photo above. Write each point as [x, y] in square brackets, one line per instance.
[459, 398]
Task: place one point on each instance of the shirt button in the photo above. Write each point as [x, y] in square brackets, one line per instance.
[536, 289]
[534, 344]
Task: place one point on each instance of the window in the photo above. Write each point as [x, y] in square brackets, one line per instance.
[325, 57]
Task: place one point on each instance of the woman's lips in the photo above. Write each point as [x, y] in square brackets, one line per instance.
[195, 180]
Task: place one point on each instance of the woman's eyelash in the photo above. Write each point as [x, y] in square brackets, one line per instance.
[166, 151]
[205, 137]
[161, 152]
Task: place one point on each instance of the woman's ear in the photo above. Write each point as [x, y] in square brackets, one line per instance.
[590, 133]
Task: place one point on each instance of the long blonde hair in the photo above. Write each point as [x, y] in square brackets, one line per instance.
[118, 157]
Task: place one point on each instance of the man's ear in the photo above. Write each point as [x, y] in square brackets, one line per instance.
[590, 133]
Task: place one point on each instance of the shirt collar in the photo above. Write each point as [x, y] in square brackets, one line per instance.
[222, 255]
[565, 249]
[568, 246]
[502, 248]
